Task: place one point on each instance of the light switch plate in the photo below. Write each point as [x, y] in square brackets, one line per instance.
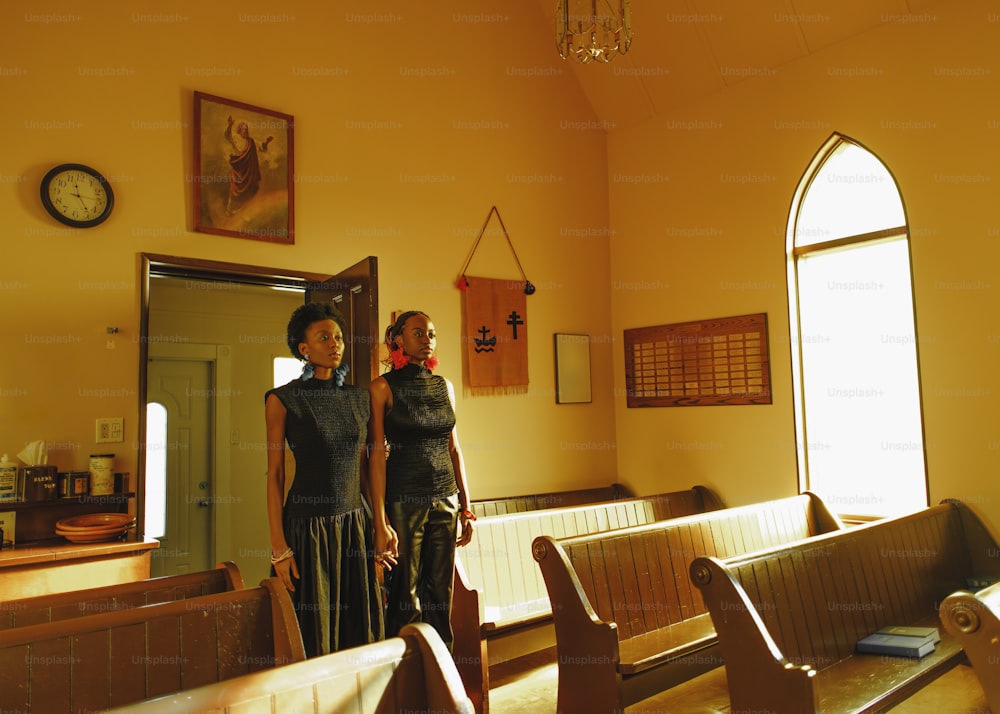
[110, 430]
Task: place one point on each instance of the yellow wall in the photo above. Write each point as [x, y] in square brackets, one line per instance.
[709, 241]
[409, 125]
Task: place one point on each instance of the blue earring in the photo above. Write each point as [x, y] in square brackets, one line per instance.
[307, 371]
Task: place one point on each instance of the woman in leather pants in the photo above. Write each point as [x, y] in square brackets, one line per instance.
[420, 497]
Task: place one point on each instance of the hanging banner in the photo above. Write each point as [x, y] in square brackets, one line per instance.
[496, 334]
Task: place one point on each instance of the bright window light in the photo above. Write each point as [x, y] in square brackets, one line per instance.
[286, 369]
[862, 407]
[852, 194]
[155, 517]
[860, 428]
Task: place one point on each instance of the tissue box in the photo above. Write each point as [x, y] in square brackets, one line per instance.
[39, 483]
[7, 520]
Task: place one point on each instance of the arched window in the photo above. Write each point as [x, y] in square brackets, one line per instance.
[859, 426]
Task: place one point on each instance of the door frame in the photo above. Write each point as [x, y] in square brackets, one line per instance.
[219, 357]
[158, 264]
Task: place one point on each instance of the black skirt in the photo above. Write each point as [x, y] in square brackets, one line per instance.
[337, 597]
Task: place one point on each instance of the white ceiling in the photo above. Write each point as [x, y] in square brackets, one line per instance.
[685, 49]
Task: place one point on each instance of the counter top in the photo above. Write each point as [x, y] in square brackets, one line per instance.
[60, 549]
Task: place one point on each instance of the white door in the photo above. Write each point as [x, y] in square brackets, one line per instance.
[184, 388]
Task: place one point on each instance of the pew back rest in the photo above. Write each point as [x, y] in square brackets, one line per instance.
[498, 560]
[816, 599]
[412, 672]
[675, 504]
[115, 658]
[508, 505]
[638, 577]
[121, 596]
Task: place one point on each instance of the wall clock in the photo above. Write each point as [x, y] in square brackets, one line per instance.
[77, 195]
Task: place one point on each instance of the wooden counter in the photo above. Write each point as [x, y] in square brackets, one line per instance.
[56, 566]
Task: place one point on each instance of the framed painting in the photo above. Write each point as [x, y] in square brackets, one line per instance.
[244, 173]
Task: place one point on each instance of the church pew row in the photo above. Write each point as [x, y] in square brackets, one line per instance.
[410, 673]
[628, 621]
[507, 505]
[501, 608]
[99, 661]
[788, 619]
[120, 596]
[973, 619]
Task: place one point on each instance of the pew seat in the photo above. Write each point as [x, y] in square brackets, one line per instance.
[99, 661]
[788, 618]
[120, 596]
[628, 621]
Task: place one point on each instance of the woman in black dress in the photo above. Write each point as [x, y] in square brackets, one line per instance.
[420, 496]
[321, 533]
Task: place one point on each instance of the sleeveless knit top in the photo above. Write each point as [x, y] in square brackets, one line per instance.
[326, 428]
[418, 428]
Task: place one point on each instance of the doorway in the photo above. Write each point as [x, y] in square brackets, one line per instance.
[242, 310]
[183, 502]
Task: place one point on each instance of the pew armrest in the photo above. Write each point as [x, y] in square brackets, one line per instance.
[468, 645]
[288, 645]
[445, 691]
[974, 620]
[587, 646]
[234, 579]
[760, 673]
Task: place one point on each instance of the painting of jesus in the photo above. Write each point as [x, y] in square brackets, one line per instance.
[244, 180]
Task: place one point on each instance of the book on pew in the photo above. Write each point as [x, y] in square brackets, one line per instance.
[981, 581]
[911, 631]
[910, 645]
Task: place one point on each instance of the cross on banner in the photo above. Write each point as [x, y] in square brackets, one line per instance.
[497, 355]
[514, 320]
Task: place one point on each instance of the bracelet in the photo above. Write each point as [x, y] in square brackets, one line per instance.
[467, 515]
[275, 559]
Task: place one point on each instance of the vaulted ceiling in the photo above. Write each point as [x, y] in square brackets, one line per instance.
[686, 49]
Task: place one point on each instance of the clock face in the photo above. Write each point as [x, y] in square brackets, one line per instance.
[77, 195]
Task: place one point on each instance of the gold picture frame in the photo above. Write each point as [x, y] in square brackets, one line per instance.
[244, 170]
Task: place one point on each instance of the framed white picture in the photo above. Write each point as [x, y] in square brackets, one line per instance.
[572, 368]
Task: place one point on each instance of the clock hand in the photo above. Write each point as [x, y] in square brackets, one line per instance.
[79, 197]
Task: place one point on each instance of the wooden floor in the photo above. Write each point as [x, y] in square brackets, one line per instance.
[529, 685]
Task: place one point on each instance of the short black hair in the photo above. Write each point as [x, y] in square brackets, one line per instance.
[305, 315]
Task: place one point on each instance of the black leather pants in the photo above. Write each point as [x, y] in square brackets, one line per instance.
[419, 587]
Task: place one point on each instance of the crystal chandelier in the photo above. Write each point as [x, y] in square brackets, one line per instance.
[593, 30]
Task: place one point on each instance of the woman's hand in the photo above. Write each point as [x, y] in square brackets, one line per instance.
[465, 519]
[286, 570]
[386, 546]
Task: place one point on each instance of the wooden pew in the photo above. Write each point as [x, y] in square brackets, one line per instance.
[99, 661]
[973, 619]
[501, 608]
[120, 596]
[409, 673]
[628, 621]
[506, 505]
[788, 618]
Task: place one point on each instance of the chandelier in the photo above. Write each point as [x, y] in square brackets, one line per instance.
[593, 30]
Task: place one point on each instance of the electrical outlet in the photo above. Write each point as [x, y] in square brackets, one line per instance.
[110, 431]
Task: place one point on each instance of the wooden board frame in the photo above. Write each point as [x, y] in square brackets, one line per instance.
[721, 361]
